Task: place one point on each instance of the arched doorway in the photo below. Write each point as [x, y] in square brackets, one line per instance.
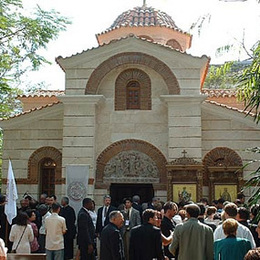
[120, 191]
[131, 161]
[44, 169]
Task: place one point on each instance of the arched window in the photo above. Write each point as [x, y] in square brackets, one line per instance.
[133, 95]
[133, 90]
[47, 176]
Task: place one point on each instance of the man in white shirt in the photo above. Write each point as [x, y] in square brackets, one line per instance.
[55, 226]
[230, 211]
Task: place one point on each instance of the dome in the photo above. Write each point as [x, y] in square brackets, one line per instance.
[143, 16]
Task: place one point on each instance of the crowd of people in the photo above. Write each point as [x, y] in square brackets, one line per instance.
[132, 231]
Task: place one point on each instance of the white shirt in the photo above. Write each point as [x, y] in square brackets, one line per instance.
[103, 215]
[42, 228]
[55, 226]
[26, 238]
[242, 232]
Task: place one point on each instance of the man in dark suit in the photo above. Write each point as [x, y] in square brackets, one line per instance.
[132, 219]
[112, 247]
[136, 205]
[103, 214]
[70, 217]
[86, 231]
[145, 240]
[168, 225]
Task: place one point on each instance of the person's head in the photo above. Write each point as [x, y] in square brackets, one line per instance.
[87, 203]
[155, 201]
[116, 218]
[230, 226]
[158, 222]
[24, 203]
[241, 197]
[230, 210]
[33, 203]
[202, 208]
[253, 254]
[170, 209]
[136, 199]
[55, 207]
[2, 199]
[22, 219]
[182, 214]
[243, 214]
[220, 203]
[192, 210]
[128, 203]
[43, 208]
[211, 210]
[150, 216]
[43, 197]
[254, 211]
[214, 203]
[204, 201]
[64, 201]
[31, 214]
[107, 200]
[52, 199]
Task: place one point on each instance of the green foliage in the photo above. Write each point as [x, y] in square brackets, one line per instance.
[221, 76]
[21, 37]
[253, 182]
[249, 84]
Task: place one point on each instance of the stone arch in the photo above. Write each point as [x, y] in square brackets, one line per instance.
[131, 144]
[36, 158]
[222, 157]
[174, 44]
[131, 58]
[120, 88]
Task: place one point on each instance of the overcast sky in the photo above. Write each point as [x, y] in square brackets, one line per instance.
[229, 21]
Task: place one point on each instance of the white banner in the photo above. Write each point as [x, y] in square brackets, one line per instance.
[11, 195]
[77, 184]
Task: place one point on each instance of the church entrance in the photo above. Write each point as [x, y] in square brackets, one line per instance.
[120, 191]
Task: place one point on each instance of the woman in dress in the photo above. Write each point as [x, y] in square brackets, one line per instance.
[21, 234]
[32, 217]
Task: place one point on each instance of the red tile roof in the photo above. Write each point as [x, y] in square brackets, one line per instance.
[31, 110]
[44, 93]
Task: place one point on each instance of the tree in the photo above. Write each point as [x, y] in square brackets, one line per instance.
[21, 38]
[249, 84]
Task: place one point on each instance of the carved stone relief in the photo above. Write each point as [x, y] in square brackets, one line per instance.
[131, 164]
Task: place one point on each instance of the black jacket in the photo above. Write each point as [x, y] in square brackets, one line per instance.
[99, 225]
[86, 229]
[166, 226]
[111, 247]
[145, 243]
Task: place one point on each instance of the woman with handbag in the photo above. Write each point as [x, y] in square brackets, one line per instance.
[21, 234]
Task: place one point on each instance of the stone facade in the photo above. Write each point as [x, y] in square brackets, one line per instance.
[91, 125]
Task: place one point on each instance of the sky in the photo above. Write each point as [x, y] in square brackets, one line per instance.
[229, 23]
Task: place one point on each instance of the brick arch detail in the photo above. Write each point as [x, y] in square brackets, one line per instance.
[36, 158]
[120, 88]
[131, 144]
[222, 156]
[132, 58]
[174, 44]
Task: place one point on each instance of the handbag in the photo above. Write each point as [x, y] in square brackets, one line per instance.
[14, 250]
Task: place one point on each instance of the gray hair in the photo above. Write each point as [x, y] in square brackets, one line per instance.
[66, 200]
[114, 214]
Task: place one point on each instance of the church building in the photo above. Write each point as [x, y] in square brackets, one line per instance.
[134, 118]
